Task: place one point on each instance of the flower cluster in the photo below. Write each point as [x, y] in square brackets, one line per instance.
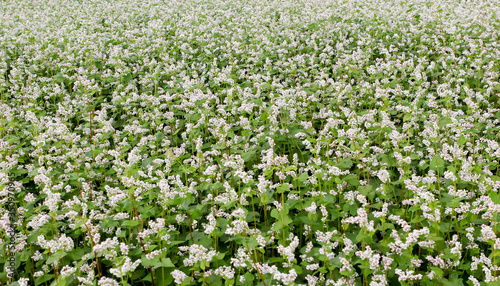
[291, 142]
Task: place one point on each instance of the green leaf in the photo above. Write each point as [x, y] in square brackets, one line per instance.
[444, 121]
[220, 256]
[77, 253]
[56, 257]
[353, 209]
[284, 188]
[25, 255]
[407, 117]
[279, 224]
[89, 154]
[495, 197]
[146, 162]
[248, 156]
[60, 282]
[20, 171]
[149, 263]
[130, 223]
[360, 236]
[438, 271]
[166, 263]
[352, 179]
[494, 283]
[303, 177]
[433, 236]
[367, 191]
[436, 161]
[43, 279]
[461, 140]
[275, 214]
[345, 163]
[264, 198]
[159, 136]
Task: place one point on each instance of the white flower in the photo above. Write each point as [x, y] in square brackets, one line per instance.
[127, 266]
[450, 176]
[67, 270]
[105, 281]
[23, 281]
[227, 272]
[197, 253]
[41, 178]
[63, 243]
[383, 175]
[210, 226]
[312, 208]
[179, 276]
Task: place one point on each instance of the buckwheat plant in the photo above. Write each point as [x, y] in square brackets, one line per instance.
[292, 142]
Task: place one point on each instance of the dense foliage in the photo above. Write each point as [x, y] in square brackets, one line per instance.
[210, 142]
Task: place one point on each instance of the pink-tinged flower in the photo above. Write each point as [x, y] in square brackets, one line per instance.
[383, 175]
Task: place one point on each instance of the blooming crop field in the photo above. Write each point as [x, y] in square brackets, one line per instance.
[238, 142]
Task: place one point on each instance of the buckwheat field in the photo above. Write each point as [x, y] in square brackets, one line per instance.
[249, 142]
